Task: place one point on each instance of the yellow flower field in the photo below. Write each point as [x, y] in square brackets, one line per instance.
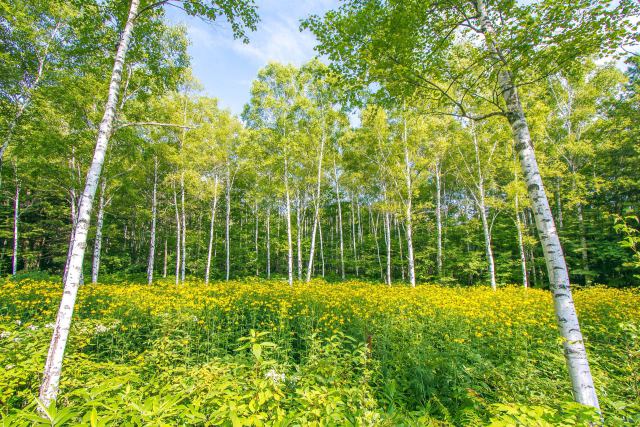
[401, 356]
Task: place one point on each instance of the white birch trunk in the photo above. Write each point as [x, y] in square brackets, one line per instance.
[53, 366]
[299, 232]
[288, 213]
[584, 391]
[97, 245]
[256, 240]
[482, 208]
[337, 188]
[439, 254]
[268, 242]
[166, 255]
[178, 237]
[409, 213]
[183, 237]
[316, 214]
[353, 236]
[16, 219]
[207, 272]
[154, 213]
[321, 246]
[227, 244]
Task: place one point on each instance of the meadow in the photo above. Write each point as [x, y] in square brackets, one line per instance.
[258, 352]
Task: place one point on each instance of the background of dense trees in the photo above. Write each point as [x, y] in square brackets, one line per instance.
[358, 181]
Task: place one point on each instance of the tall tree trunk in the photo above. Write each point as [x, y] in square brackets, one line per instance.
[583, 245]
[183, 241]
[523, 257]
[374, 226]
[353, 235]
[178, 238]
[395, 220]
[408, 207]
[387, 236]
[166, 255]
[16, 219]
[154, 213]
[268, 241]
[256, 241]
[227, 243]
[321, 246]
[339, 224]
[583, 388]
[439, 217]
[288, 213]
[558, 204]
[97, 246]
[316, 213]
[207, 272]
[299, 233]
[482, 207]
[53, 366]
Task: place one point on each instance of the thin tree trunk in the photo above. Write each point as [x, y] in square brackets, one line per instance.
[227, 243]
[288, 213]
[439, 218]
[337, 187]
[482, 207]
[353, 236]
[166, 254]
[395, 220]
[207, 272]
[154, 214]
[16, 219]
[387, 238]
[321, 246]
[409, 213]
[579, 371]
[523, 257]
[375, 237]
[316, 214]
[178, 238]
[583, 245]
[97, 247]
[53, 366]
[299, 232]
[558, 204]
[256, 241]
[268, 241]
[183, 240]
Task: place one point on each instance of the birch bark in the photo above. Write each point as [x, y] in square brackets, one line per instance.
[575, 353]
[53, 365]
[154, 214]
[207, 272]
[97, 246]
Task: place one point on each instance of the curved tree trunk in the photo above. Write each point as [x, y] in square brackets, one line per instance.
[53, 366]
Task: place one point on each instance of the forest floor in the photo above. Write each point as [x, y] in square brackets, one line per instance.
[258, 352]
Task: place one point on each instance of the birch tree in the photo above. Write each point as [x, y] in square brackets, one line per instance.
[235, 10]
[405, 47]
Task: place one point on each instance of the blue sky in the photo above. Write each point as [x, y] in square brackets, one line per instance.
[226, 67]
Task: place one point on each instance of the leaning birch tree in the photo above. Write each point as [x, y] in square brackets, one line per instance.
[239, 14]
[407, 47]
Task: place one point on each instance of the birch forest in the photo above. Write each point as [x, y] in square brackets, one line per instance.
[434, 222]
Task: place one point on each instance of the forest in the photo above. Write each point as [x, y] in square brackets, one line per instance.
[392, 233]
